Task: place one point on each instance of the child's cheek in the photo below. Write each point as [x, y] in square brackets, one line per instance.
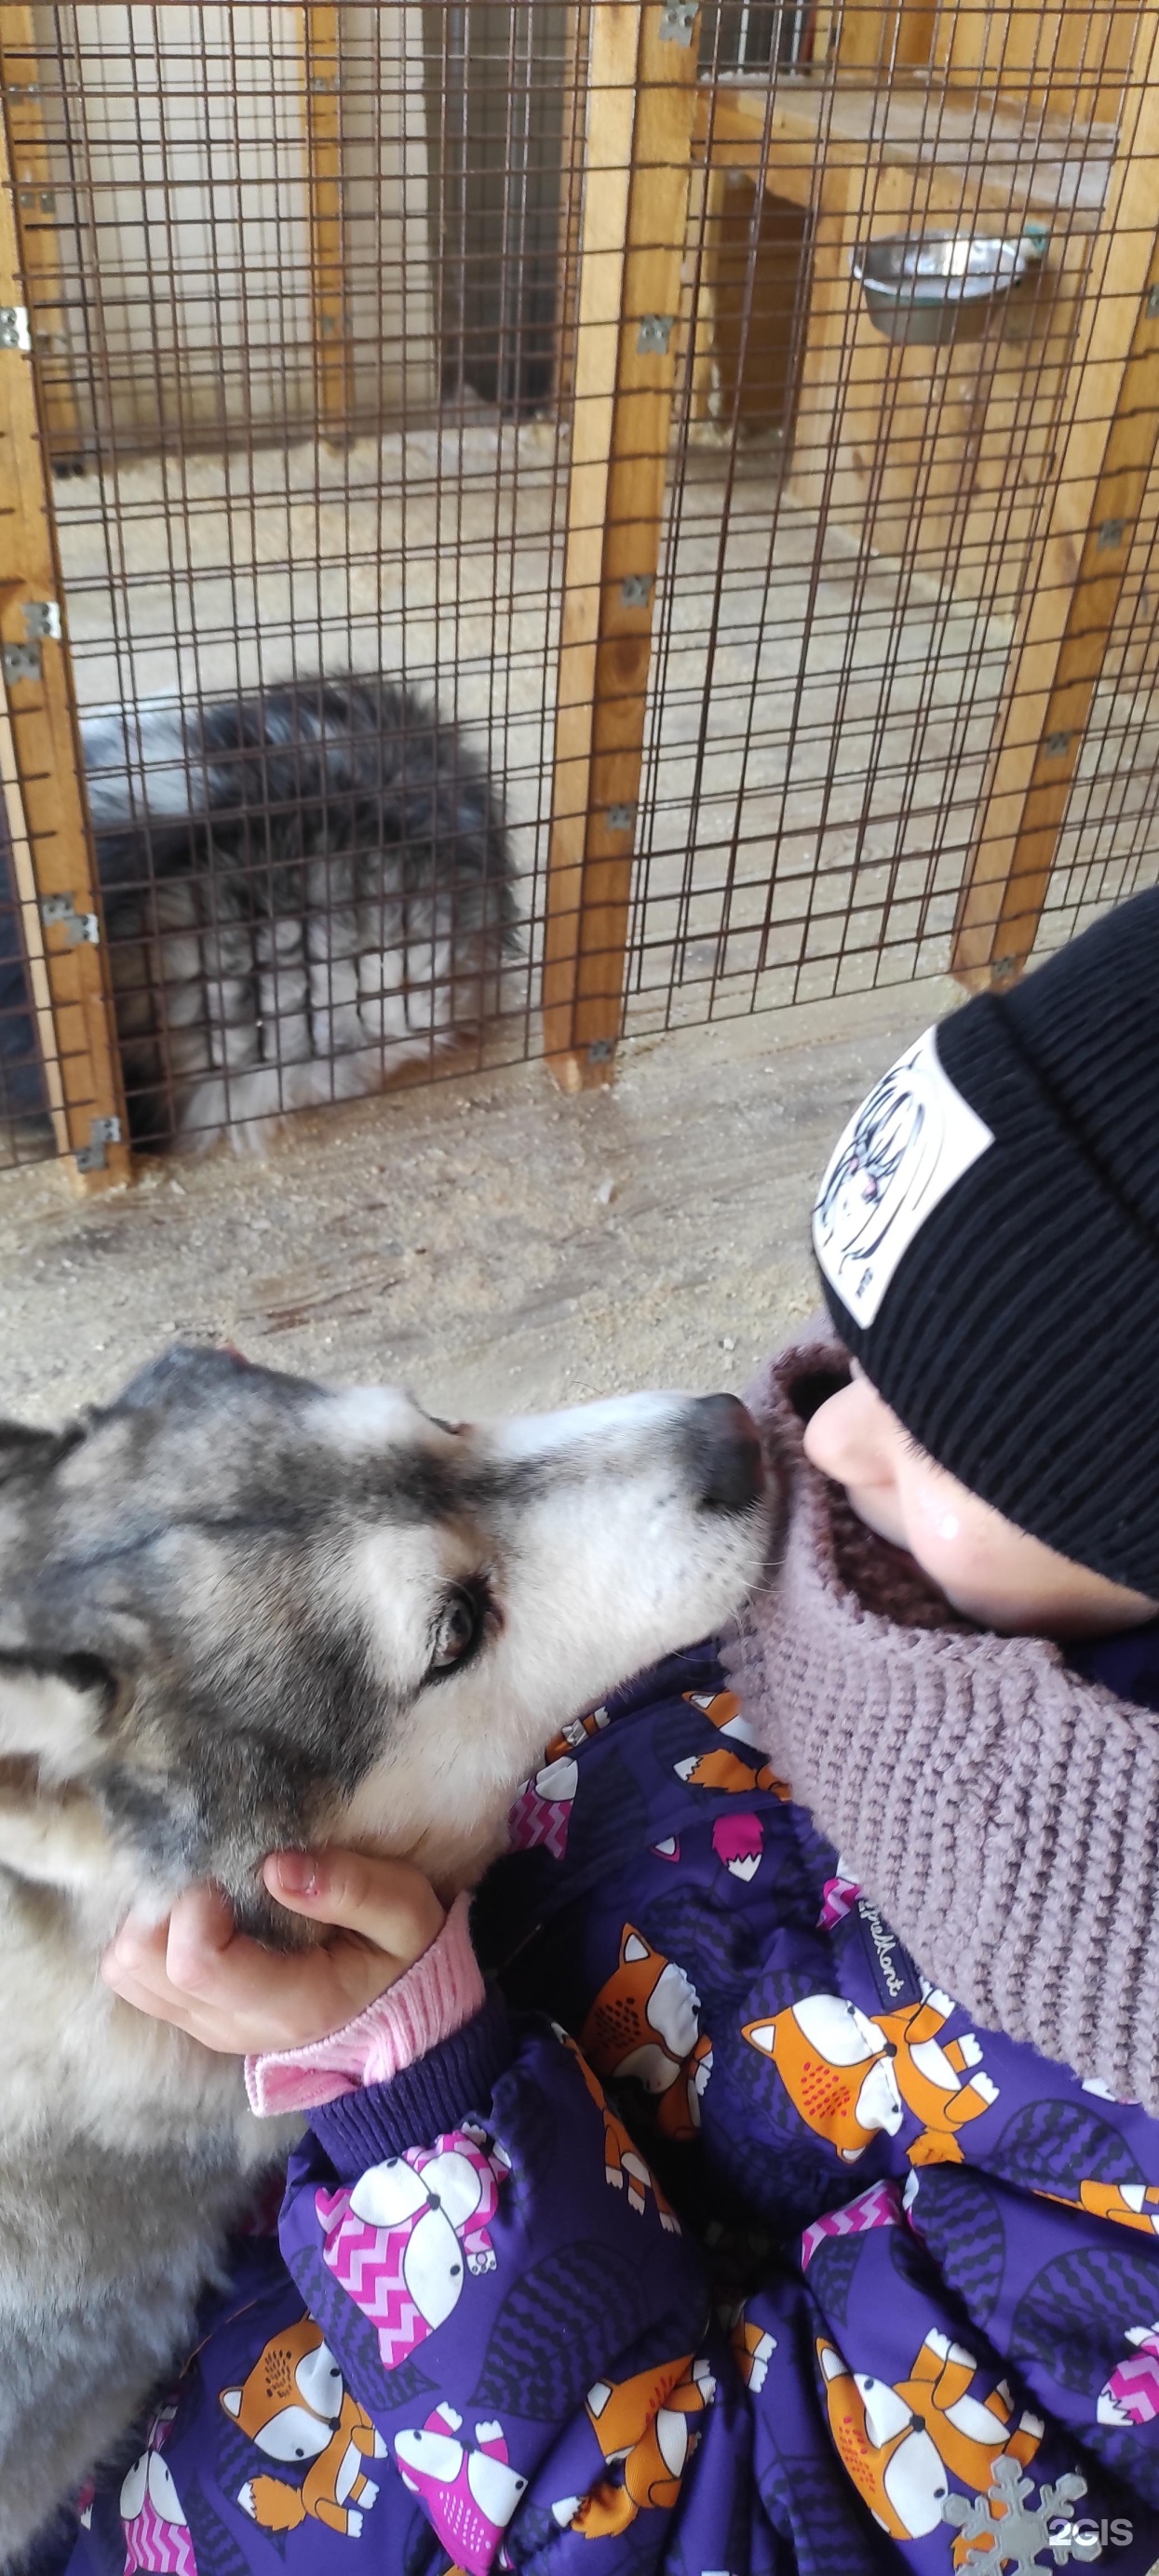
[933, 1511]
[938, 1538]
[968, 1555]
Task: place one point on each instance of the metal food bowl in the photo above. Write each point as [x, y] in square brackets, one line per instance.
[933, 287]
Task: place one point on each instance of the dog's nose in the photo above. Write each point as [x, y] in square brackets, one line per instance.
[726, 1454]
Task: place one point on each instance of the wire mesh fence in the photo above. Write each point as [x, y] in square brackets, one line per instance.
[562, 520]
[870, 609]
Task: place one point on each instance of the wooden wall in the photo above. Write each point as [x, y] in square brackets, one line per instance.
[944, 458]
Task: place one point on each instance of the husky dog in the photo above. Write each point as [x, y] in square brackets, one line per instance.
[240, 1611]
[302, 892]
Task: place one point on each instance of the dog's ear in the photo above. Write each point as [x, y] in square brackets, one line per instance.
[25, 1451]
[19, 1446]
[185, 1371]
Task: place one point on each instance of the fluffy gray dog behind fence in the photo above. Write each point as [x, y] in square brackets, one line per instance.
[303, 891]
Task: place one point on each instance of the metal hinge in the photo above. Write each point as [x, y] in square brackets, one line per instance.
[92, 1157]
[14, 330]
[621, 818]
[42, 618]
[636, 589]
[677, 20]
[80, 928]
[41, 624]
[653, 333]
[20, 661]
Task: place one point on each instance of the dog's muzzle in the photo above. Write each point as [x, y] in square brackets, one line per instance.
[725, 1454]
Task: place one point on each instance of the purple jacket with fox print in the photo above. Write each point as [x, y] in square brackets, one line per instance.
[826, 2283]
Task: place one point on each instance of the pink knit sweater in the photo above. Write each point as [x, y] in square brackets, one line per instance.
[432, 2001]
[1001, 1810]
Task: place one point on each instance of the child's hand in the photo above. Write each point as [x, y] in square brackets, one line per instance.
[199, 1972]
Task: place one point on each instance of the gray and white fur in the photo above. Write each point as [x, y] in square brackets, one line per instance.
[303, 892]
[240, 1611]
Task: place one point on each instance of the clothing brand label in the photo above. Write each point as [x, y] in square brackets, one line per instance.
[894, 1973]
[907, 1145]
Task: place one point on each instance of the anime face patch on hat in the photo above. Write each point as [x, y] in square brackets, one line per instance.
[911, 1139]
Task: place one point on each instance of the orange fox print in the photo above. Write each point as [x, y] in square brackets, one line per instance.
[644, 2026]
[942, 2082]
[852, 2075]
[646, 2426]
[624, 2165]
[575, 1733]
[295, 2407]
[752, 2348]
[1130, 2204]
[724, 1768]
[899, 2442]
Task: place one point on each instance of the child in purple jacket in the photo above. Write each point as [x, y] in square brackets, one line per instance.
[786, 2201]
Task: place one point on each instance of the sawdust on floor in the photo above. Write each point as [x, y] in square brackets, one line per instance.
[484, 1240]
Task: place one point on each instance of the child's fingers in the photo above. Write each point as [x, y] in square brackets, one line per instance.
[156, 1954]
[228, 1991]
[200, 1973]
[134, 1984]
[134, 1967]
[387, 1903]
[196, 1953]
[207, 1958]
[238, 1993]
[137, 1950]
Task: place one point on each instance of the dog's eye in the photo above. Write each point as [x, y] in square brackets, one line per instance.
[458, 1628]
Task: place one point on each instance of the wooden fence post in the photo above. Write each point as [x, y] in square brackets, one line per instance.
[1057, 659]
[575, 88]
[40, 760]
[34, 204]
[322, 119]
[637, 163]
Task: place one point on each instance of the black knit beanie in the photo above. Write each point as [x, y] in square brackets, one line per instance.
[988, 1237]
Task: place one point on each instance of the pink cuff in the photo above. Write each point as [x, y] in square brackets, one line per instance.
[432, 2001]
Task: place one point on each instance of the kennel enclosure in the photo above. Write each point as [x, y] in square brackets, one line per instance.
[527, 353]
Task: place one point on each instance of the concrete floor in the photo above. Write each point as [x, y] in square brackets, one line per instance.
[484, 1240]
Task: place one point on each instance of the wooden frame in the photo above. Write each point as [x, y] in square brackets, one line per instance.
[575, 75]
[34, 209]
[809, 146]
[637, 165]
[815, 146]
[40, 759]
[1066, 627]
[330, 307]
[851, 150]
